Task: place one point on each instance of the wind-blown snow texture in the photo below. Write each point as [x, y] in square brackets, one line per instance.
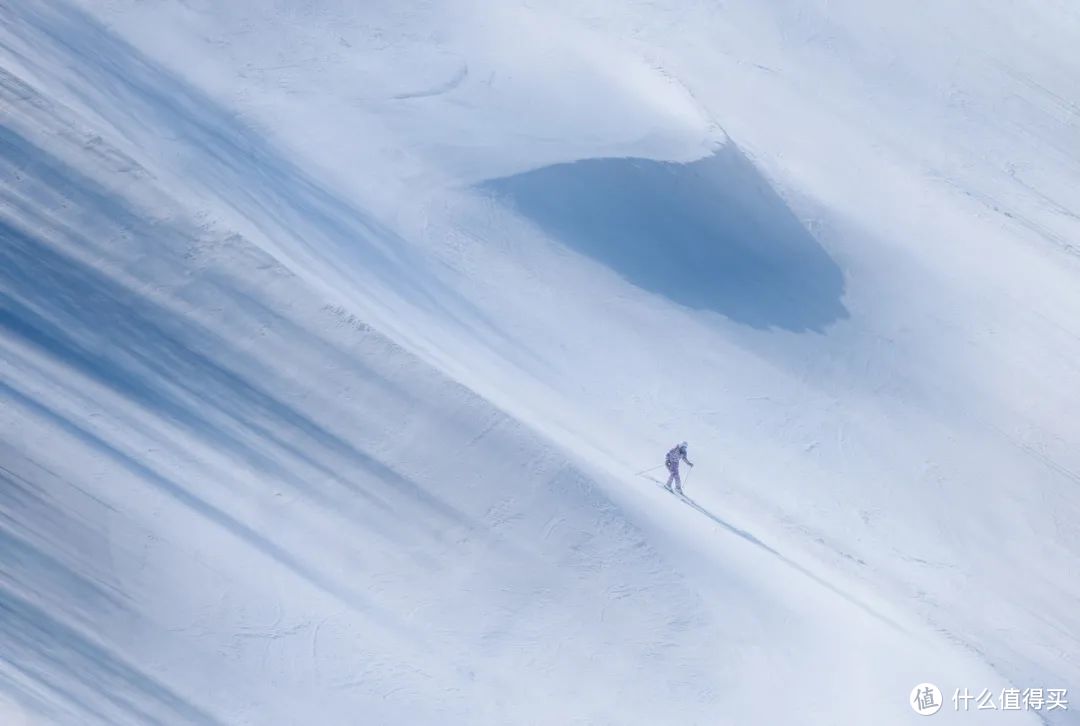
[333, 334]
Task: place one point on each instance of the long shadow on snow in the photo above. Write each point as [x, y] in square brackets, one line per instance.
[48, 607]
[346, 594]
[84, 673]
[236, 162]
[790, 563]
[50, 553]
[76, 314]
[709, 235]
[170, 364]
[72, 312]
[748, 537]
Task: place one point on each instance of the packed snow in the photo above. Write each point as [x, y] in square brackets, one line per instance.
[341, 344]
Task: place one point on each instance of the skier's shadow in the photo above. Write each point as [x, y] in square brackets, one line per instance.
[747, 536]
[726, 525]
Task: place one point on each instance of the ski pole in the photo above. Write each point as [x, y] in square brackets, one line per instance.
[646, 471]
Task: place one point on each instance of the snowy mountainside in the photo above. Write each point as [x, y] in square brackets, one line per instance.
[334, 335]
[238, 457]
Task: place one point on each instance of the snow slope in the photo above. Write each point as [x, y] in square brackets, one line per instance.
[333, 336]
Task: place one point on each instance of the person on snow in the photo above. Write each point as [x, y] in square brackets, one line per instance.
[672, 462]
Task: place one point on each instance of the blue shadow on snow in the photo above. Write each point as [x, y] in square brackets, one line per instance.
[709, 235]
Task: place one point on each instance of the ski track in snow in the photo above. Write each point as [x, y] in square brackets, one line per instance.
[440, 89]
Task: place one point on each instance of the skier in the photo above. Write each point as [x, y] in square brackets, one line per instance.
[672, 462]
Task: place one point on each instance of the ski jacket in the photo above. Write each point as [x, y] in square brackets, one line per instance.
[673, 457]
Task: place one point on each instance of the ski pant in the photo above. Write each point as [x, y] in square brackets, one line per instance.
[674, 471]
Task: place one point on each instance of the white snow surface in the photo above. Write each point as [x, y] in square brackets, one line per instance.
[334, 334]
